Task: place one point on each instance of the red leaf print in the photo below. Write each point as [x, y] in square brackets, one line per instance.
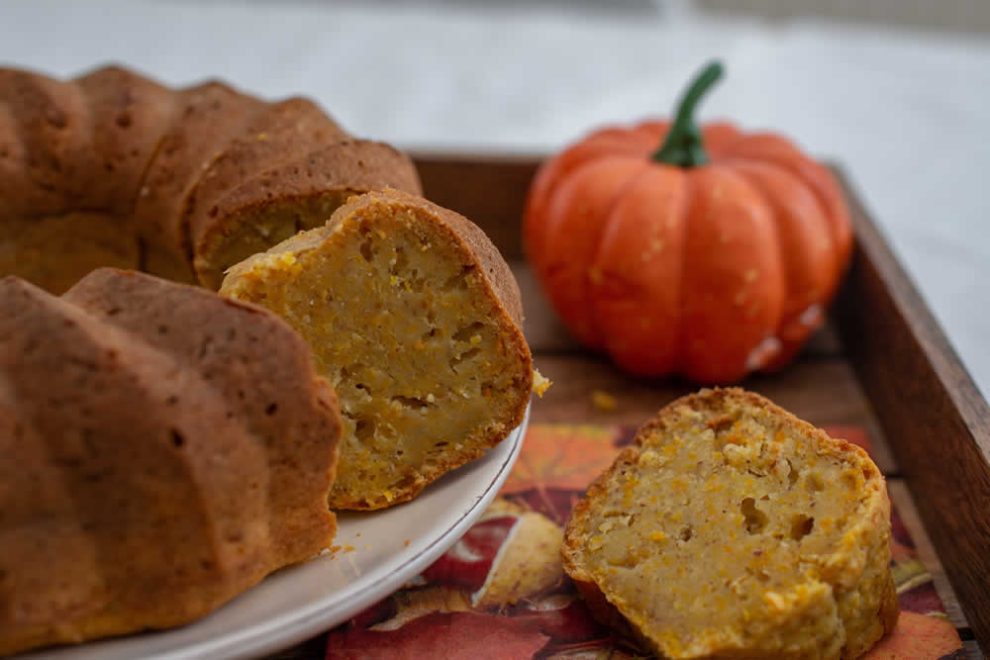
[468, 562]
[460, 636]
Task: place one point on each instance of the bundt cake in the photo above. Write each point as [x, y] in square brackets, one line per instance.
[113, 169]
[733, 529]
[415, 319]
[164, 449]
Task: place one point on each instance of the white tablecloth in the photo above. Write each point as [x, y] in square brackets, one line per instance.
[908, 113]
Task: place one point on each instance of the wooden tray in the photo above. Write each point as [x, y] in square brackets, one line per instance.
[881, 364]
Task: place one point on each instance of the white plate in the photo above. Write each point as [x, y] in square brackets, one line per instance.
[296, 603]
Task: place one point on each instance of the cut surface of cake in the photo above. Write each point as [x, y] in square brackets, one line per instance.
[165, 449]
[414, 317]
[114, 169]
[732, 529]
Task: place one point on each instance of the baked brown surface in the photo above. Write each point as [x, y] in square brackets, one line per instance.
[289, 197]
[732, 529]
[164, 450]
[415, 319]
[113, 169]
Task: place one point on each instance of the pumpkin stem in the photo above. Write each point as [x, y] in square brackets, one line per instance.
[683, 145]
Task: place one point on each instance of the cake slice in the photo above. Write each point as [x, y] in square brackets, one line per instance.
[257, 364]
[164, 450]
[282, 131]
[288, 197]
[130, 114]
[732, 529]
[415, 319]
[208, 117]
[56, 135]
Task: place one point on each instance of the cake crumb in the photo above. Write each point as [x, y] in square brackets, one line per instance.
[540, 383]
[604, 401]
[406, 543]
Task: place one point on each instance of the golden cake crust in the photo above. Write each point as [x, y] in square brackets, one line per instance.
[209, 115]
[288, 197]
[53, 122]
[850, 589]
[204, 175]
[129, 115]
[169, 449]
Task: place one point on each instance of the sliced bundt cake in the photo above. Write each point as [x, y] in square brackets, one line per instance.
[164, 450]
[733, 529]
[115, 169]
[206, 119]
[415, 319]
[290, 197]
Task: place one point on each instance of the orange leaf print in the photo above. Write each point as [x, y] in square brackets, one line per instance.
[917, 637]
[562, 456]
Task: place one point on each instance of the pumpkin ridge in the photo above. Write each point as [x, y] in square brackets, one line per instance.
[690, 188]
[803, 309]
[787, 156]
[561, 240]
[764, 353]
[596, 255]
[797, 173]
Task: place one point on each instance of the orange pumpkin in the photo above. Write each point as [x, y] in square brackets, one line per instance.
[711, 256]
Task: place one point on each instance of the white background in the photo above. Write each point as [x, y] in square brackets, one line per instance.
[906, 112]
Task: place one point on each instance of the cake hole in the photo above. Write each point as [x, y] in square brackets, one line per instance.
[755, 520]
[56, 118]
[271, 409]
[466, 355]
[468, 331]
[792, 474]
[411, 402]
[457, 280]
[400, 261]
[721, 423]
[178, 440]
[364, 429]
[363, 388]
[367, 252]
[801, 526]
[686, 533]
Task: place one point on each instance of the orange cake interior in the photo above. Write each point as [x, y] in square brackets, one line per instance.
[732, 529]
[414, 318]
